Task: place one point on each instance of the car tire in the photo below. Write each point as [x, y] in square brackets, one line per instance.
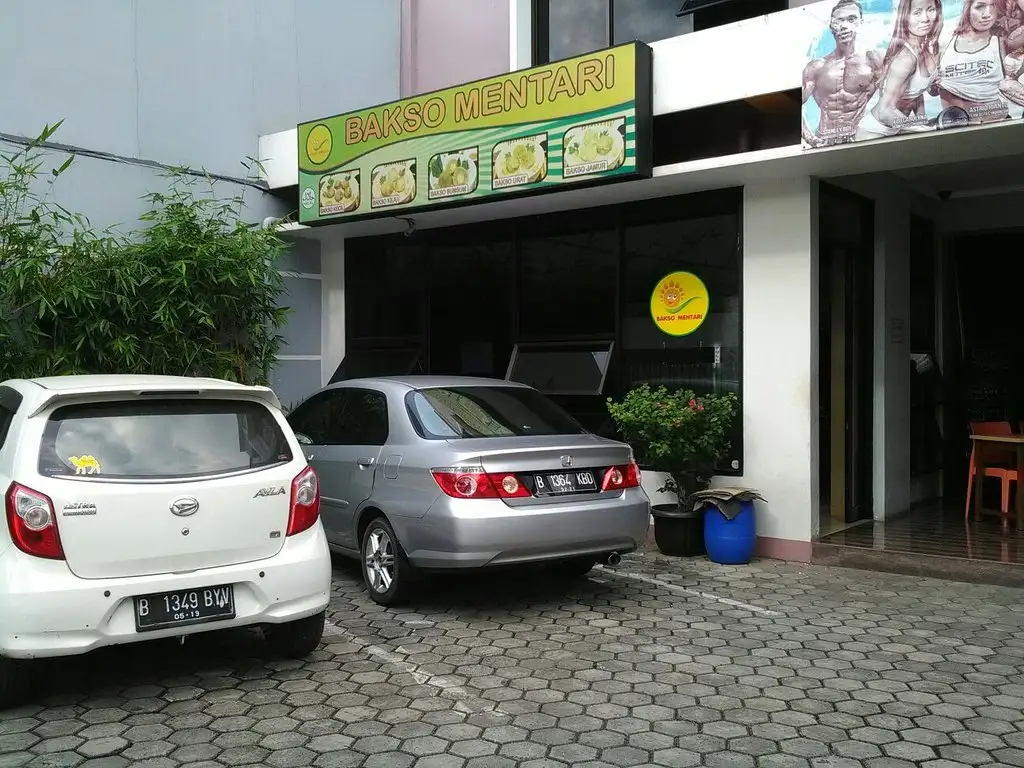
[386, 572]
[296, 639]
[576, 568]
[14, 682]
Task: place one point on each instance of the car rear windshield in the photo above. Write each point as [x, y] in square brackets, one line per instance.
[165, 438]
[447, 413]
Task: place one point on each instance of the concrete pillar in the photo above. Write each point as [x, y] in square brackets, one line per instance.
[780, 361]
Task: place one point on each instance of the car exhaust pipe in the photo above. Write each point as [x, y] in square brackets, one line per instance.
[613, 559]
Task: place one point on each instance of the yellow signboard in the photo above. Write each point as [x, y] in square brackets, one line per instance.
[680, 303]
[574, 121]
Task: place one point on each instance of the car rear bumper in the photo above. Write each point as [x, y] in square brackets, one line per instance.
[458, 533]
[48, 611]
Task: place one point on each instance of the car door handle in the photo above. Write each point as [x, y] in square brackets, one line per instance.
[367, 462]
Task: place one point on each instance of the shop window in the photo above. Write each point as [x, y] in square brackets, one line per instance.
[562, 368]
[565, 28]
[648, 20]
[568, 285]
[383, 289]
[472, 305]
[707, 360]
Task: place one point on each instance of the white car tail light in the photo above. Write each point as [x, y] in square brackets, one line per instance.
[33, 522]
[474, 483]
[622, 477]
[305, 505]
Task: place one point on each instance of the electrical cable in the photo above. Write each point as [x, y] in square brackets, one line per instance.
[23, 141]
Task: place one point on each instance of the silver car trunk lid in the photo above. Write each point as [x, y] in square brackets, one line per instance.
[542, 453]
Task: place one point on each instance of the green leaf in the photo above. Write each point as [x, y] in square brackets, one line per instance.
[191, 288]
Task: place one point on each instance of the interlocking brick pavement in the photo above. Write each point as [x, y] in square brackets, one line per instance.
[661, 662]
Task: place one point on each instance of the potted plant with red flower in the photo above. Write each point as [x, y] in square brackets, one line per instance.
[684, 435]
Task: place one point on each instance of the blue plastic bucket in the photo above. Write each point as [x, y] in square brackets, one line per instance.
[731, 542]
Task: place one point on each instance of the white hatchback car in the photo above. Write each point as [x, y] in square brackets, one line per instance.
[143, 507]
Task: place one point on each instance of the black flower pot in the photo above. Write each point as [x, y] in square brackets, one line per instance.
[678, 532]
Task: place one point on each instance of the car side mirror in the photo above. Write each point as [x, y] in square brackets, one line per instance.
[303, 439]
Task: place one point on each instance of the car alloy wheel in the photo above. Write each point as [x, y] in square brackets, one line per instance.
[385, 570]
[380, 561]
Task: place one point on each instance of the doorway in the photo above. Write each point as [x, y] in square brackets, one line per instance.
[846, 352]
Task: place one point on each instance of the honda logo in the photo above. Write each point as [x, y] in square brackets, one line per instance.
[567, 461]
[185, 506]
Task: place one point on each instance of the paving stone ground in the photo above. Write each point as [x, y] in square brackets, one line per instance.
[661, 662]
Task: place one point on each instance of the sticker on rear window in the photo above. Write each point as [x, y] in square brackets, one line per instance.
[85, 465]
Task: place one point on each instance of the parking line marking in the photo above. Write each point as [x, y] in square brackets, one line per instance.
[692, 592]
[447, 687]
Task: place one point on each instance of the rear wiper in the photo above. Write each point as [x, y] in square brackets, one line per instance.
[467, 431]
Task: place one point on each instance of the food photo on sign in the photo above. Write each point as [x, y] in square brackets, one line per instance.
[881, 68]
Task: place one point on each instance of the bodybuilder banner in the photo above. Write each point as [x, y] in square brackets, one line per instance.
[884, 68]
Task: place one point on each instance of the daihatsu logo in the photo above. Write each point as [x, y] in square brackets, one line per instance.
[567, 461]
[185, 506]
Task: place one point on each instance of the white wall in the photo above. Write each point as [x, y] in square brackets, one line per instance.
[780, 355]
[780, 40]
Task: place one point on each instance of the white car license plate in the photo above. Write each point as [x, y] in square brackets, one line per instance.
[189, 606]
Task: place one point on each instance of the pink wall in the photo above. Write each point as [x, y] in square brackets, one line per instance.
[447, 42]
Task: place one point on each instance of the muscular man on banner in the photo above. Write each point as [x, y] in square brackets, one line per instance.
[842, 82]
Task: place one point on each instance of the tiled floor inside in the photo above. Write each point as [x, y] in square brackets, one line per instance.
[937, 528]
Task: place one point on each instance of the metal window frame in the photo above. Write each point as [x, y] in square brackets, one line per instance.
[690, 7]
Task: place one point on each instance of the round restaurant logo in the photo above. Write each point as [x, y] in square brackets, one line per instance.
[680, 303]
[319, 144]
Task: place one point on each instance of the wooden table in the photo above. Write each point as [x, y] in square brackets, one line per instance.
[1014, 443]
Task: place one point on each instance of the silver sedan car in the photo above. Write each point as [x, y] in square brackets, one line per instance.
[421, 474]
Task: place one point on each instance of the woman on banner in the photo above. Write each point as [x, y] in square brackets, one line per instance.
[1010, 27]
[911, 69]
[972, 72]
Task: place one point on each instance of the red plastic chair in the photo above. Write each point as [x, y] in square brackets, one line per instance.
[1003, 473]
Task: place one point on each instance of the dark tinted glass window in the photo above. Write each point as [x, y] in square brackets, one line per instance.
[388, 279]
[155, 439]
[443, 413]
[648, 20]
[364, 419]
[568, 284]
[707, 360]
[575, 27]
[568, 369]
[371, 363]
[565, 28]
[471, 281]
[6, 417]
[318, 417]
